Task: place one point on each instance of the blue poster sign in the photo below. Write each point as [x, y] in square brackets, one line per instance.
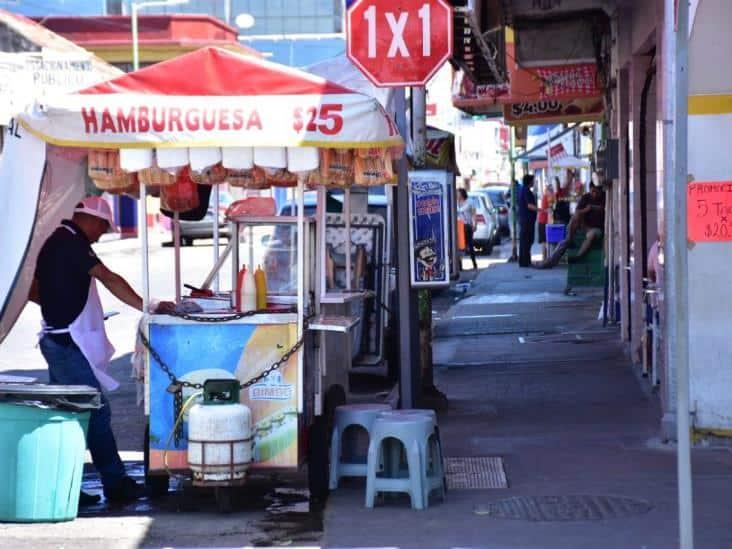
[428, 228]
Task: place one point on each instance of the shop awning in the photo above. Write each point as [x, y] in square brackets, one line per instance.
[217, 100]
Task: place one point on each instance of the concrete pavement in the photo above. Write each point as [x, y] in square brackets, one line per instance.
[532, 377]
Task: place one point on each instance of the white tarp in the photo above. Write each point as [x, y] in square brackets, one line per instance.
[39, 185]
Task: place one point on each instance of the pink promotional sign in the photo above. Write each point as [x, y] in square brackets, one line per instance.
[709, 211]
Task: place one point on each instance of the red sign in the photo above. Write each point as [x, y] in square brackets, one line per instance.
[399, 42]
[709, 211]
[556, 82]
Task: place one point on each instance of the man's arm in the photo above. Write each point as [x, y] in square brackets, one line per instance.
[117, 285]
[34, 295]
[583, 206]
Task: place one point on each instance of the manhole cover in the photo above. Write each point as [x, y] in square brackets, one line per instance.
[564, 508]
[475, 473]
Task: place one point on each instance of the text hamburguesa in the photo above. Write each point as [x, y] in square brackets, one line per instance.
[160, 119]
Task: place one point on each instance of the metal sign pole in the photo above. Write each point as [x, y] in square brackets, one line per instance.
[216, 236]
[676, 273]
[514, 197]
[409, 382]
[142, 220]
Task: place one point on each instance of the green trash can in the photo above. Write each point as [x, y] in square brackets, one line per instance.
[43, 436]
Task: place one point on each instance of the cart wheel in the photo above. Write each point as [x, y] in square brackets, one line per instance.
[224, 499]
[318, 460]
[157, 485]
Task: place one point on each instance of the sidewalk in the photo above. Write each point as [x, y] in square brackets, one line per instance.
[533, 377]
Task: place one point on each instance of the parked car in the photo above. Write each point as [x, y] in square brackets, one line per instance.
[376, 204]
[486, 222]
[499, 198]
[194, 230]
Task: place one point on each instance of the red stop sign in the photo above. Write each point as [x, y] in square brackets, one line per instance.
[399, 42]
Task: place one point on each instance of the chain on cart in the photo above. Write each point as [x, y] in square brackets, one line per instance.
[176, 386]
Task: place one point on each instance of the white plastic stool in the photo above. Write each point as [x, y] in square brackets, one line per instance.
[346, 416]
[437, 459]
[416, 433]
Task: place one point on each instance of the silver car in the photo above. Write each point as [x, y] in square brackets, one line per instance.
[498, 196]
[486, 222]
[203, 229]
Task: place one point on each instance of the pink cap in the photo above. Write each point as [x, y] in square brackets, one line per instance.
[98, 207]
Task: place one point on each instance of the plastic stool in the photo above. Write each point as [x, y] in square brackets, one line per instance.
[346, 416]
[438, 460]
[415, 432]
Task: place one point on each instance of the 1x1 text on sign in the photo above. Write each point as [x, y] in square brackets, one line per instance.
[399, 42]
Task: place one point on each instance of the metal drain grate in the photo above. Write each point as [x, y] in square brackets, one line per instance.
[475, 473]
[564, 508]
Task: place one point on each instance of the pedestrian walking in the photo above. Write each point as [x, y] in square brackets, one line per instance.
[466, 213]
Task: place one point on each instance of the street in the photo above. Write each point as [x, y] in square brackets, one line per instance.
[551, 395]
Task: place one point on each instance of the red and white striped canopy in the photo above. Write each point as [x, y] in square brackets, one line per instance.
[216, 99]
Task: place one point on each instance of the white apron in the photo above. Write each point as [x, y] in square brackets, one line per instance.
[87, 331]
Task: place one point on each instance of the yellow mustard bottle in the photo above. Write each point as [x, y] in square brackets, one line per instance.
[260, 283]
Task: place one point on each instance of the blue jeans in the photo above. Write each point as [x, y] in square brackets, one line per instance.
[68, 366]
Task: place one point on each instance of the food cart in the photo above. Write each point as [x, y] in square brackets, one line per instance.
[174, 128]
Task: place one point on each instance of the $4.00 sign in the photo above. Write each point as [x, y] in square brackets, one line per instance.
[709, 215]
[399, 42]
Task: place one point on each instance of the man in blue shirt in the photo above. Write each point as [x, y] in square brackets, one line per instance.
[527, 211]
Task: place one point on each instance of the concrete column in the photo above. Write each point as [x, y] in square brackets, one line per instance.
[622, 107]
[638, 68]
[622, 190]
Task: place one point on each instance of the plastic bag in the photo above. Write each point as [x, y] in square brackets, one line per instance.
[254, 206]
[336, 167]
[182, 196]
[373, 167]
[156, 177]
[105, 171]
[213, 175]
[280, 178]
[253, 179]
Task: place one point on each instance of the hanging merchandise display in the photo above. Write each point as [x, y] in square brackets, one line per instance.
[279, 177]
[252, 179]
[213, 175]
[182, 196]
[336, 168]
[157, 177]
[106, 173]
[373, 167]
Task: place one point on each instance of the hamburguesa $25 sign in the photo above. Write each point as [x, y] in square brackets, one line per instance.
[399, 42]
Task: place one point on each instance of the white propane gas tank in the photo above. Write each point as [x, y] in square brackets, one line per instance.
[219, 434]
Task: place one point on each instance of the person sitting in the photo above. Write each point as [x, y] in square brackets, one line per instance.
[590, 216]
